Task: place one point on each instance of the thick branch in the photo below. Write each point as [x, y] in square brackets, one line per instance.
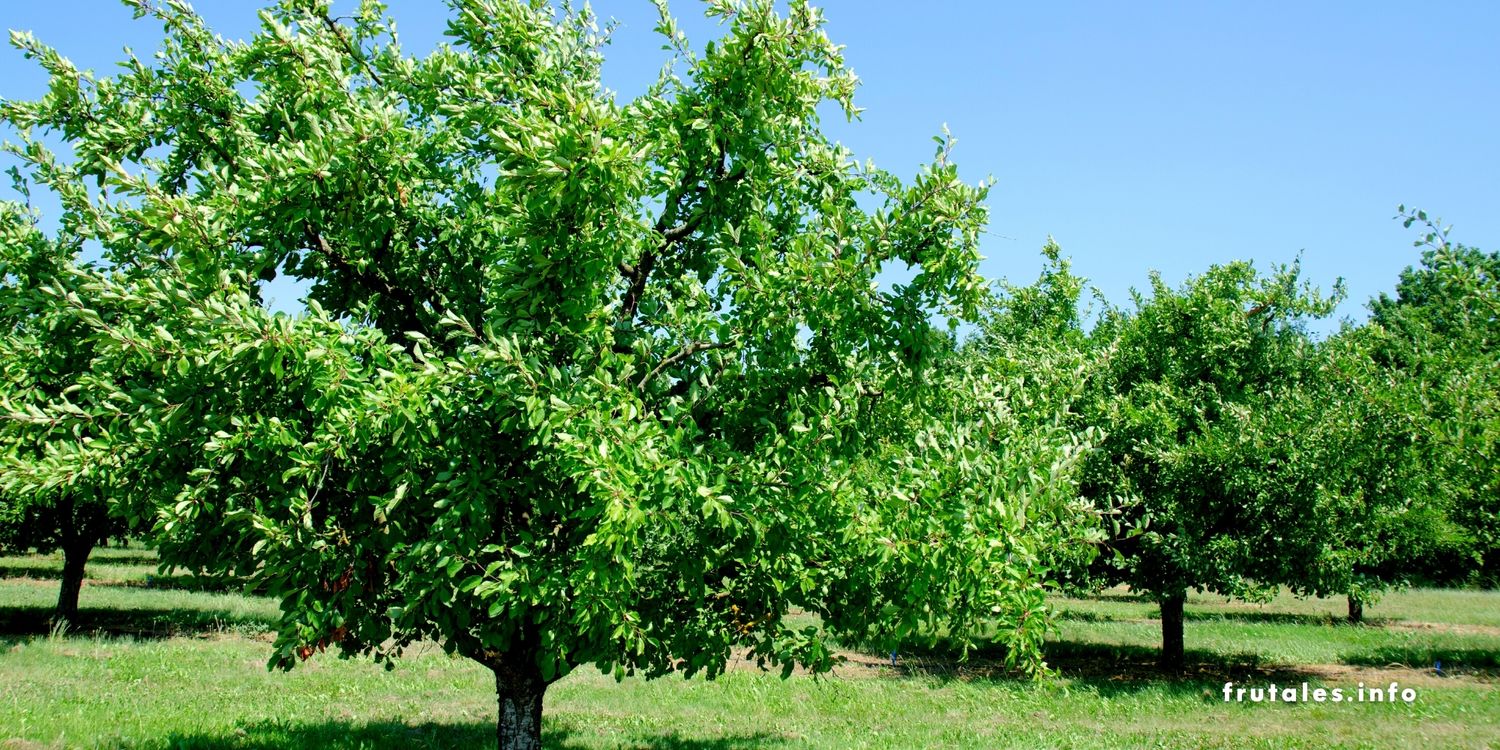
[638, 275]
[680, 355]
[671, 233]
[375, 282]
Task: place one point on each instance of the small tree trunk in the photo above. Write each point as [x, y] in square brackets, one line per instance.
[1171, 631]
[75, 556]
[520, 689]
[1356, 610]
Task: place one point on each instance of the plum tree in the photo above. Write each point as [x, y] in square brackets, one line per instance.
[1192, 400]
[580, 380]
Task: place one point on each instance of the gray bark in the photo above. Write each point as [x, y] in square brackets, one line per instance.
[519, 689]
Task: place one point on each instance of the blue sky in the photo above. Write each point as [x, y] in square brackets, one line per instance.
[1142, 135]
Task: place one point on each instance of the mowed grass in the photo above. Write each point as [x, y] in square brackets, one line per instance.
[199, 681]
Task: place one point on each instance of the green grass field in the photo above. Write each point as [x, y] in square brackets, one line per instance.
[166, 662]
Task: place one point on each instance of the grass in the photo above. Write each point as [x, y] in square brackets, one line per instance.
[200, 681]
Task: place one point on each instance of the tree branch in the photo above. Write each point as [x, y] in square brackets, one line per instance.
[680, 355]
[671, 234]
[375, 281]
[638, 275]
[348, 45]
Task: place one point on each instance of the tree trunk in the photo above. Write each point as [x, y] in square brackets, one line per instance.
[1171, 631]
[520, 689]
[1356, 610]
[75, 556]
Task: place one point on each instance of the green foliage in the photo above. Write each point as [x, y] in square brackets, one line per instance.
[1032, 339]
[1045, 313]
[581, 381]
[1361, 442]
[1011, 460]
[1033, 336]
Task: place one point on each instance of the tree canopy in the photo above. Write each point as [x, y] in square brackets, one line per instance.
[1438, 338]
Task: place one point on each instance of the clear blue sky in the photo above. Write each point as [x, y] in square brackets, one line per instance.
[1141, 135]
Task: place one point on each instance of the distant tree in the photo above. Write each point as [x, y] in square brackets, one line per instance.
[1440, 334]
[1393, 432]
[41, 356]
[581, 381]
[1350, 443]
[1452, 295]
[1192, 441]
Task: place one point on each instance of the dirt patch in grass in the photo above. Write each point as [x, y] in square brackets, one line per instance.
[15, 744]
[855, 665]
[863, 666]
[1344, 673]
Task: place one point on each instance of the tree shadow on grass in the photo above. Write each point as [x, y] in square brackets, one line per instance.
[1276, 618]
[1474, 661]
[1083, 615]
[1273, 618]
[31, 569]
[101, 556]
[563, 735]
[1117, 669]
[188, 582]
[1112, 669]
[274, 735]
[137, 622]
[569, 734]
[172, 581]
[117, 556]
[1112, 596]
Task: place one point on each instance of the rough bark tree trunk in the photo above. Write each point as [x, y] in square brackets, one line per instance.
[1171, 631]
[1356, 610]
[519, 688]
